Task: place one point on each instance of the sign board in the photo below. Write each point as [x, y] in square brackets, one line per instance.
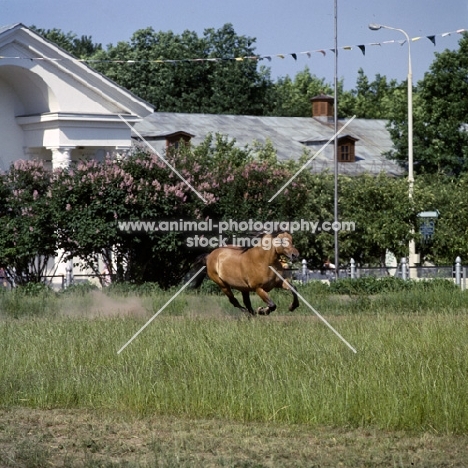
[427, 229]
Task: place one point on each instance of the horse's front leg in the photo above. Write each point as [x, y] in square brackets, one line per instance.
[247, 303]
[295, 303]
[265, 298]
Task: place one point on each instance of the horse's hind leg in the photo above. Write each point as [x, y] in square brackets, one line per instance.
[232, 299]
[295, 302]
[271, 306]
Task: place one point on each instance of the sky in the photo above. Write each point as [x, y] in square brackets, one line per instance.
[279, 27]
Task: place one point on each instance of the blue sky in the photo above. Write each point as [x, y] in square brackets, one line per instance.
[280, 27]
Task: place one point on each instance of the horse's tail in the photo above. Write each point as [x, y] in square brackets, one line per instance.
[198, 280]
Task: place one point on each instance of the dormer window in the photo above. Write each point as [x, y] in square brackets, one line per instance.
[346, 149]
[174, 140]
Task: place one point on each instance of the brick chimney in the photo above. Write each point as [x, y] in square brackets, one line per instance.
[322, 107]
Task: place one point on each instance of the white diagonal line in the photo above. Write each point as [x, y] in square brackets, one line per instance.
[311, 159]
[160, 310]
[165, 161]
[316, 313]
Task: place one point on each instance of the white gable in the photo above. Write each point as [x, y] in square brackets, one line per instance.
[49, 100]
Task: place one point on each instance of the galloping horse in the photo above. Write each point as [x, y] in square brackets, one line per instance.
[248, 269]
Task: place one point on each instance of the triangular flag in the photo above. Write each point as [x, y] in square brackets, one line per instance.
[363, 49]
[280, 56]
[322, 52]
[294, 56]
[414, 39]
[347, 47]
[432, 39]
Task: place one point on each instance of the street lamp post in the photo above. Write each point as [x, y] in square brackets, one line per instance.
[412, 246]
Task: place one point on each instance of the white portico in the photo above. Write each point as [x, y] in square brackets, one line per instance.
[56, 108]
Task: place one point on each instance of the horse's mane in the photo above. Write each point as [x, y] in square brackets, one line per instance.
[261, 235]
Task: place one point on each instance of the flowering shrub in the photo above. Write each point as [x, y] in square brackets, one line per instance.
[92, 197]
[28, 233]
[77, 210]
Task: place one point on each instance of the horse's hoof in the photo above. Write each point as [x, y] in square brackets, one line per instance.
[263, 311]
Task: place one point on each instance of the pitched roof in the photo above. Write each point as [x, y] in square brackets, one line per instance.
[290, 136]
[18, 42]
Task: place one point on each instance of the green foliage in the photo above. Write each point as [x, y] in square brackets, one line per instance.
[78, 210]
[383, 216]
[132, 289]
[81, 47]
[30, 300]
[79, 289]
[448, 196]
[440, 137]
[34, 289]
[368, 285]
[93, 197]
[291, 97]
[226, 86]
[370, 100]
[27, 226]
[151, 64]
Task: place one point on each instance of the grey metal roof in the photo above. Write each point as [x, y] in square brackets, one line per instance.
[286, 135]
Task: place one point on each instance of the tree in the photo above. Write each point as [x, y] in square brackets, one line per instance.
[164, 73]
[447, 195]
[291, 97]
[440, 109]
[383, 216]
[91, 199]
[370, 100]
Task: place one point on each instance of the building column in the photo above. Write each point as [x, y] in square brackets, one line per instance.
[61, 156]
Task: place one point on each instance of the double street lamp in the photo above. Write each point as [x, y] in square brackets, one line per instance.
[376, 27]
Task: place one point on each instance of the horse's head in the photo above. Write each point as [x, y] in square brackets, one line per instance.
[283, 245]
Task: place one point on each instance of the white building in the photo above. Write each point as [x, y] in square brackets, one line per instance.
[56, 108]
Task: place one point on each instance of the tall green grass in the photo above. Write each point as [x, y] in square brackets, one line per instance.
[410, 371]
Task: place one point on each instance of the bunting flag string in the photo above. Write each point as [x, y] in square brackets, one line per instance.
[294, 55]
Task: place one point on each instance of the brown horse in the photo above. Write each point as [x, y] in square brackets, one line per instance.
[248, 269]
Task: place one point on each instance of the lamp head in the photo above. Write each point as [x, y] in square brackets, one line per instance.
[374, 26]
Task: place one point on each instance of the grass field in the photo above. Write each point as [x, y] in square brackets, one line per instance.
[205, 386]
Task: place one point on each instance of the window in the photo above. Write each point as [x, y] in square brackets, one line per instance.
[175, 140]
[346, 149]
[344, 153]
